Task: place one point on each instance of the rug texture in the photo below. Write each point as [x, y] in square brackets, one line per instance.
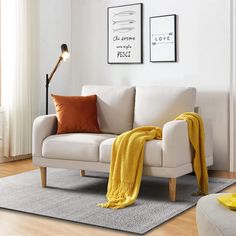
[74, 198]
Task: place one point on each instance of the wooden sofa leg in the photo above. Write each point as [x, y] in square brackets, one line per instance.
[82, 173]
[43, 171]
[172, 189]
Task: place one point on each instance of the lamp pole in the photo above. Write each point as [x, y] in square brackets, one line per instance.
[64, 56]
[47, 85]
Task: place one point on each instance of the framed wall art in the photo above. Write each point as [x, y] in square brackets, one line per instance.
[163, 38]
[124, 34]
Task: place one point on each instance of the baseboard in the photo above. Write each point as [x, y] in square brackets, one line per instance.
[15, 158]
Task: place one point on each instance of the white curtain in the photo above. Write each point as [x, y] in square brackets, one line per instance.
[16, 75]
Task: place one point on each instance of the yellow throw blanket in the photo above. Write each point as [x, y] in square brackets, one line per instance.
[127, 166]
[197, 139]
[127, 161]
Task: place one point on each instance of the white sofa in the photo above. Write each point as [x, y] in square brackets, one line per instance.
[121, 109]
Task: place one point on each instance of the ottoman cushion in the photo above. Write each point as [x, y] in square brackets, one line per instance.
[213, 218]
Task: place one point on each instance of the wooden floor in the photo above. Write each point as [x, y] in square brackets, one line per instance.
[22, 224]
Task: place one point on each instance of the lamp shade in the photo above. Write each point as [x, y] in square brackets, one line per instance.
[65, 53]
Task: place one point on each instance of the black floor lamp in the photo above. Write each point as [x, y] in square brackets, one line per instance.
[64, 56]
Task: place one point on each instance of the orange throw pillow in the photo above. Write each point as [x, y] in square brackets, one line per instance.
[76, 114]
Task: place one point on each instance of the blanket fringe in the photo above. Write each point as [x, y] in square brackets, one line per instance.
[118, 195]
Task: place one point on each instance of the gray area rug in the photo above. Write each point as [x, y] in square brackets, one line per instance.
[74, 198]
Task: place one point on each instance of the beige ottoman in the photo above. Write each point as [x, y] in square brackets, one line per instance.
[213, 218]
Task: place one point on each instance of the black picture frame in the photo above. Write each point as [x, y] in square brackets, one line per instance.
[174, 38]
[138, 47]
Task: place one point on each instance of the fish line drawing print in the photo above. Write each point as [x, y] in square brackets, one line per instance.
[124, 13]
[123, 29]
[163, 38]
[123, 22]
[124, 34]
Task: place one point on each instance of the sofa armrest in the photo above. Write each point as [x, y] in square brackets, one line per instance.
[176, 147]
[43, 127]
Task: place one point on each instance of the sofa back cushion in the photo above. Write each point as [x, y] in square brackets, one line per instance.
[115, 107]
[158, 105]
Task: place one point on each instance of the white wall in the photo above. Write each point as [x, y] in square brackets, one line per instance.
[204, 55]
[54, 26]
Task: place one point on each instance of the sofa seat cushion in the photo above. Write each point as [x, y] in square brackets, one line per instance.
[152, 152]
[115, 107]
[73, 146]
[154, 106]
